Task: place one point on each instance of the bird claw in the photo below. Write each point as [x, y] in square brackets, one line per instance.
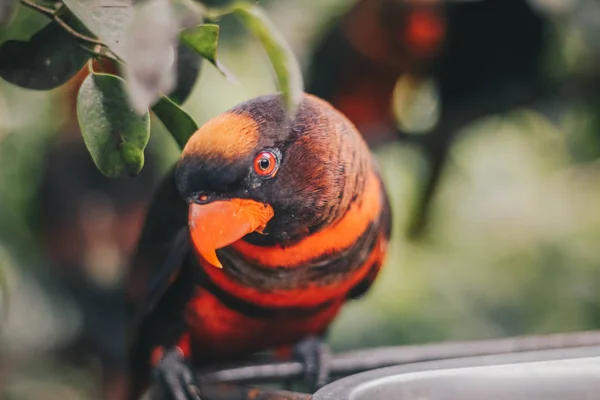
[175, 377]
[315, 355]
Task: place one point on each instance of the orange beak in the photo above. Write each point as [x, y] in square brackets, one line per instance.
[220, 223]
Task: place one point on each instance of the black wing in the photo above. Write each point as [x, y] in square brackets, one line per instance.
[155, 290]
[162, 249]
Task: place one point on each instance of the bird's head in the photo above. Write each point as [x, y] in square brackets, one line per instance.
[252, 173]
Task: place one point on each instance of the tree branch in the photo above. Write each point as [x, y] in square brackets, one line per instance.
[101, 52]
[228, 383]
[221, 391]
[52, 14]
[353, 362]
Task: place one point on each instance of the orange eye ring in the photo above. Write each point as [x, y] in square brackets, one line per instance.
[265, 164]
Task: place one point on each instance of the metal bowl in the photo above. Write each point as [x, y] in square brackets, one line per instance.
[564, 374]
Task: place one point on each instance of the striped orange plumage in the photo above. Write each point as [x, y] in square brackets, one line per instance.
[324, 242]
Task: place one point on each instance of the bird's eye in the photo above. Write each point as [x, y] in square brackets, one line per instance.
[265, 164]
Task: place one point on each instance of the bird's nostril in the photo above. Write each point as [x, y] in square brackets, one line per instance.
[201, 198]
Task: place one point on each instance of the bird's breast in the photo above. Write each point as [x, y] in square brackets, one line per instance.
[322, 266]
[221, 333]
[266, 297]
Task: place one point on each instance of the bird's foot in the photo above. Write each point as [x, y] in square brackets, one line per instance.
[314, 353]
[174, 377]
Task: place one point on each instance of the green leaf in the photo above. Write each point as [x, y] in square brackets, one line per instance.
[109, 20]
[189, 64]
[179, 123]
[45, 61]
[287, 70]
[204, 39]
[114, 133]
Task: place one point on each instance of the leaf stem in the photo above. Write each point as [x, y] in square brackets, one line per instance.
[37, 7]
[53, 15]
[101, 51]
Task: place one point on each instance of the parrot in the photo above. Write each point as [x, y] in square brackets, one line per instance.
[484, 57]
[264, 228]
[356, 62]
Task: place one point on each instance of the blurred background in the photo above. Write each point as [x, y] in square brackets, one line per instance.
[484, 116]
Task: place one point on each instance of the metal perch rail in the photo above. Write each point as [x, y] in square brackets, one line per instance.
[228, 383]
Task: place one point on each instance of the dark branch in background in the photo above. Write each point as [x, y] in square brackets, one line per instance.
[437, 144]
[53, 14]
